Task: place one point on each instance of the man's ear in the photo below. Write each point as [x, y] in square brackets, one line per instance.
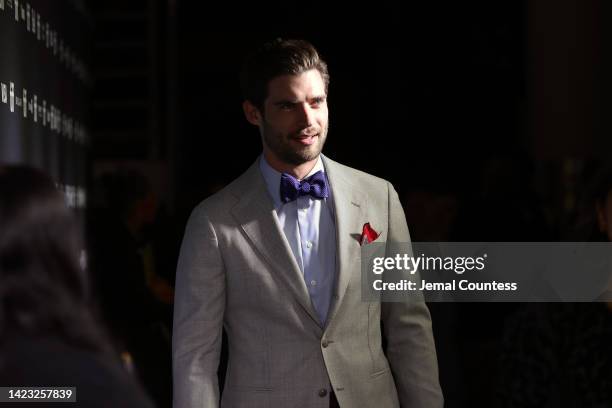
[251, 113]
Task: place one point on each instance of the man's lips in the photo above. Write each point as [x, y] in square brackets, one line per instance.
[306, 140]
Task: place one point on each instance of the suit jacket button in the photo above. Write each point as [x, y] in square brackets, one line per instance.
[322, 392]
[324, 344]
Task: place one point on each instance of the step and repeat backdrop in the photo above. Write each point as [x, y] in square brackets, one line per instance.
[45, 86]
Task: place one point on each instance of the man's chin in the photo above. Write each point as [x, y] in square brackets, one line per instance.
[302, 157]
[310, 153]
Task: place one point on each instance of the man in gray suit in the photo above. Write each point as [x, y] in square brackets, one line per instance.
[273, 258]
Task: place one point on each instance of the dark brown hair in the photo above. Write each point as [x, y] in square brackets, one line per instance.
[43, 289]
[276, 58]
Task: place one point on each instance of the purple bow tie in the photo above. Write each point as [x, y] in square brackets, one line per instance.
[315, 185]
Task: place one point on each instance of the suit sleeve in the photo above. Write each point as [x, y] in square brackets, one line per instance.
[198, 316]
[407, 329]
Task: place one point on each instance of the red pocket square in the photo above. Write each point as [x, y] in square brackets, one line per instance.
[368, 234]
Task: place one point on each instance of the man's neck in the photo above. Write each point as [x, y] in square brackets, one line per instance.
[298, 171]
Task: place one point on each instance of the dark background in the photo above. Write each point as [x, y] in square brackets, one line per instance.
[428, 95]
[488, 117]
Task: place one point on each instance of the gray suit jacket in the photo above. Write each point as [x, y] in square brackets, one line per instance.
[236, 270]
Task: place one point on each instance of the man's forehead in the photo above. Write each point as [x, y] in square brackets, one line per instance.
[308, 84]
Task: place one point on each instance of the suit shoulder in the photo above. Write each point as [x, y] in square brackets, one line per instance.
[359, 178]
[213, 205]
[217, 205]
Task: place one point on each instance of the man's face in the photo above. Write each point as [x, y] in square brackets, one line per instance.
[295, 119]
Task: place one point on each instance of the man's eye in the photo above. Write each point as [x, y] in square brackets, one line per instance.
[286, 106]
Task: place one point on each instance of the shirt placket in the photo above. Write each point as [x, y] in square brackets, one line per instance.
[307, 244]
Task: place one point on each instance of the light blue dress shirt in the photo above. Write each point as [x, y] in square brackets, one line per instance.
[309, 226]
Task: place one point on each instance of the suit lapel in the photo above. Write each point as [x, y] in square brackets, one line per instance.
[350, 214]
[257, 217]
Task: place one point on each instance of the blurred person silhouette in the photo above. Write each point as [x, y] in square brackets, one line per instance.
[48, 333]
[560, 354]
[499, 205]
[135, 298]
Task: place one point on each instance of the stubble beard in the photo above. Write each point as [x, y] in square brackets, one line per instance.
[286, 151]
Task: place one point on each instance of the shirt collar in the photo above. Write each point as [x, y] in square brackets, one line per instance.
[272, 177]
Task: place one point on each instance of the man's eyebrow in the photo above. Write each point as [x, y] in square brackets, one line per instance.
[285, 102]
[317, 98]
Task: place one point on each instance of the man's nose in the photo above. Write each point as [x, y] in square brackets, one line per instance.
[306, 115]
